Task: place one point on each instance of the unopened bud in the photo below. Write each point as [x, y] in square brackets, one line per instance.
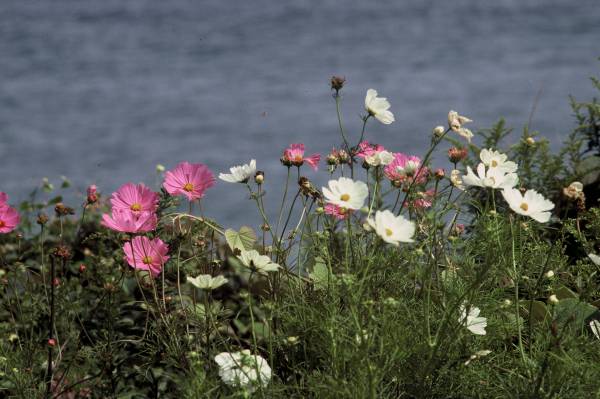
[82, 268]
[160, 168]
[337, 82]
[56, 281]
[440, 173]
[42, 219]
[259, 177]
[530, 140]
[51, 342]
[553, 299]
[438, 131]
[549, 274]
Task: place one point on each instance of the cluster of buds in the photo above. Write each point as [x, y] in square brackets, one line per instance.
[307, 189]
[63, 210]
[92, 194]
[337, 157]
[575, 193]
[455, 155]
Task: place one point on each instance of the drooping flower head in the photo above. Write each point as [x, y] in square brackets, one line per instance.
[294, 155]
[126, 221]
[471, 319]
[456, 122]
[134, 198]
[391, 228]
[239, 174]
[9, 217]
[189, 179]
[337, 211]
[378, 107]
[346, 193]
[492, 177]
[147, 254]
[207, 282]
[532, 204]
[239, 369]
[404, 168]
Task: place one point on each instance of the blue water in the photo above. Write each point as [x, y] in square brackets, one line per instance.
[102, 91]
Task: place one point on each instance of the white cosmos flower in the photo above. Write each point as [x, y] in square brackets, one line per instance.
[239, 369]
[471, 320]
[493, 177]
[262, 264]
[380, 158]
[346, 193]
[456, 122]
[494, 159]
[532, 204]
[207, 282]
[392, 229]
[456, 179]
[594, 258]
[378, 107]
[239, 174]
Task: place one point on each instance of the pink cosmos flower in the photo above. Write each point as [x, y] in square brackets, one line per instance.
[189, 179]
[126, 221]
[337, 211]
[294, 155]
[366, 149]
[147, 254]
[9, 217]
[403, 169]
[134, 198]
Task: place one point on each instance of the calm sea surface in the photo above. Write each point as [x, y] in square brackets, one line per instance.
[102, 91]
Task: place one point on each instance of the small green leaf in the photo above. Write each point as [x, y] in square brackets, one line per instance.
[564, 293]
[539, 312]
[320, 274]
[573, 308]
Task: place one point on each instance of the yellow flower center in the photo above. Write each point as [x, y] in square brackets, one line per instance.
[2, 223]
[147, 260]
[345, 197]
[188, 187]
[524, 206]
[136, 207]
[494, 163]
[388, 232]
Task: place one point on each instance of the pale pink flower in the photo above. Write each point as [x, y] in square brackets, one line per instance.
[337, 211]
[294, 155]
[189, 179]
[126, 221]
[134, 198]
[425, 201]
[404, 168]
[9, 217]
[147, 254]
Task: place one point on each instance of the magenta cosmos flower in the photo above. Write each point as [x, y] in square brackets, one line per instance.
[337, 211]
[189, 179]
[9, 217]
[134, 198]
[294, 155]
[366, 149]
[404, 168]
[147, 254]
[126, 221]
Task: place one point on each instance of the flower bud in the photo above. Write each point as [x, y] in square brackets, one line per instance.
[343, 156]
[51, 342]
[455, 155]
[42, 219]
[438, 131]
[440, 173]
[160, 168]
[82, 268]
[337, 82]
[63, 210]
[92, 194]
[56, 281]
[530, 140]
[507, 302]
[553, 299]
[549, 274]
[259, 177]
[319, 210]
